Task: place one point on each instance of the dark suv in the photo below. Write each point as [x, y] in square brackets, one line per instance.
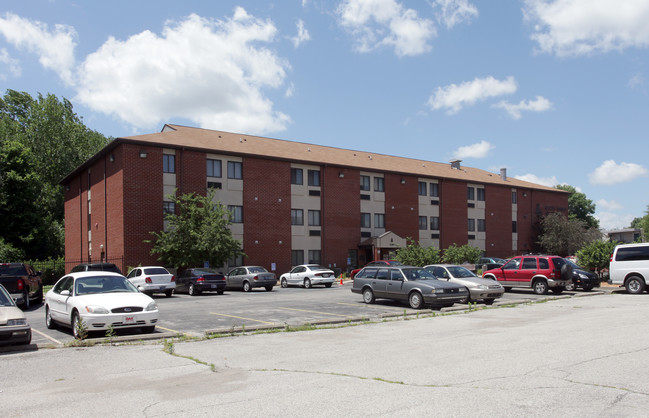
[96, 267]
[538, 272]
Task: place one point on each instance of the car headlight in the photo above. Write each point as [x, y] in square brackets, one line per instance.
[482, 287]
[16, 322]
[583, 276]
[152, 307]
[433, 290]
[96, 310]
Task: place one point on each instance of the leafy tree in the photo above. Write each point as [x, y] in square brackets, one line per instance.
[596, 255]
[198, 233]
[579, 206]
[642, 223]
[563, 236]
[9, 253]
[416, 255]
[461, 255]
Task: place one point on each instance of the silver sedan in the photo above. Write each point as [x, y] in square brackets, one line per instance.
[249, 277]
[479, 288]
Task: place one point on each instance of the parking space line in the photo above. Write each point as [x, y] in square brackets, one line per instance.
[316, 312]
[365, 305]
[240, 317]
[47, 336]
[167, 329]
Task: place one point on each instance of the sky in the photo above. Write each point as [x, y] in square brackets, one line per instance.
[555, 91]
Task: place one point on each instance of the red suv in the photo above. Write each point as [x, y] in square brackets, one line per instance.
[539, 272]
[375, 263]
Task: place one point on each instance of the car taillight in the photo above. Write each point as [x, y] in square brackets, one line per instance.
[611, 260]
[256, 278]
[200, 279]
[21, 284]
[173, 278]
[148, 280]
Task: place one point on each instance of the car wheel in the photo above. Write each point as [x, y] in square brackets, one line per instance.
[489, 301]
[368, 296]
[588, 287]
[307, 284]
[570, 287]
[328, 284]
[49, 322]
[168, 293]
[247, 287]
[416, 300]
[192, 290]
[634, 285]
[219, 292]
[76, 325]
[148, 330]
[269, 288]
[540, 287]
[467, 299]
[558, 290]
[27, 302]
[284, 283]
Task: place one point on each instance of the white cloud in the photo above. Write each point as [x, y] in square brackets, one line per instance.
[454, 97]
[637, 80]
[578, 27]
[540, 104]
[211, 72]
[612, 173]
[454, 12]
[13, 65]
[376, 23]
[610, 205]
[55, 48]
[302, 34]
[544, 181]
[609, 221]
[479, 150]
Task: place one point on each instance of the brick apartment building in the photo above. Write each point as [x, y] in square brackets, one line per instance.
[294, 202]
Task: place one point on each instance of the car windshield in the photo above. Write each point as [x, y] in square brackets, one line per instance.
[5, 299]
[572, 264]
[257, 270]
[316, 268]
[201, 272]
[460, 272]
[499, 260]
[417, 274]
[103, 284]
[156, 270]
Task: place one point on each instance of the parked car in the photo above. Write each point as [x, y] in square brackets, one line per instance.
[96, 267]
[307, 275]
[153, 279]
[488, 263]
[376, 263]
[479, 288]
[14, 328]
[414, 285]
[538, 272]
[23, 283]
[629, 267]
[198, 280]
[249, 277]
[100, 300]
[581, 277]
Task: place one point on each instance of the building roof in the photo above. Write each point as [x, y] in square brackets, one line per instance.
[220, 142]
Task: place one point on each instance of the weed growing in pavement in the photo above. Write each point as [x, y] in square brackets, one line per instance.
[81, 329]
[110, 334]
[168, 347]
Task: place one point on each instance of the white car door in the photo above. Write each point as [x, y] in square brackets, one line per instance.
[296, 276]
[135, 277]
[58, 302]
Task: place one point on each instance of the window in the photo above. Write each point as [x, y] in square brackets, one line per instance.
[544, 264]
[168, 163]
[237, 214]
[296, 176]
[379, 220]
[514, 229]
[236, 261]
[297, 217]
[314, 218]
[434, 190]
[379, 184]
[470, 195]
[529, 263]
[480, 194]
[514, 198]
[168, 207]
[434, 223]
[314, 256]
[314, 178]
[423, 222]
[366, 220]
[213, 168]
[482, 225]
[235, 170]
[471, 225]
[365, 183]
[297, 257]
[422, 188]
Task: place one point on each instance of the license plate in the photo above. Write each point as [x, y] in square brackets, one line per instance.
[213, 286]
[162, 288]
[129, 319]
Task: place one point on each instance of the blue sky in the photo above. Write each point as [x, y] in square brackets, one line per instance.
[556, 91]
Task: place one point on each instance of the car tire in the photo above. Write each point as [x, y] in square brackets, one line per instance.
[368, 296]
[39, 296]
[540, 287]
[283, 283]
[246, 286]
[26, 302]
[558, 290]
[49, 322]
[307, 283]
[192, 290]
[168, 293]
[588, 287]
[507, 289]
[634, 285]
[75, 323]
[219, 292]
[148, 330]
[489, 301]
[327, 285]
[416, 300]
[269, 288]
[571, 286]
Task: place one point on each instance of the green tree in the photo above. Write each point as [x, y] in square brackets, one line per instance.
[596, 255]
[563, 236]
[197, 233]
[642, 223]
[580, 207]
[460, 255]
[416, 255]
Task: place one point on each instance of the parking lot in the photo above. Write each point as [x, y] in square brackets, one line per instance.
[236, 310]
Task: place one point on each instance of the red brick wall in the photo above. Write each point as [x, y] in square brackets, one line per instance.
[114, 246]
[191, 172]
[498, 215]
[341, 215]
[453, 213]
[72, 222]
[402, 205]
[267, 213]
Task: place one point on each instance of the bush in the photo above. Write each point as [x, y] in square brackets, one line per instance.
[461, 255]
[416, 255]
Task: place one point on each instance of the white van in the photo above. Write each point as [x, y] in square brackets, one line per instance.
[630, 267]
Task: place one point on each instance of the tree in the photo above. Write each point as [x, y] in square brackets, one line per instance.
[642, 223]
[197, 233]
[596, 255]
[461, 255]
[563, 236]
[579, 206]
[416, 255]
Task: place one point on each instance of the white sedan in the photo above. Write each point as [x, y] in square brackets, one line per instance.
[307, 275]
[152, 279]
[98, 301]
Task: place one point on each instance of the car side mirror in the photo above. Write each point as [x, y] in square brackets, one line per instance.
[65, 293]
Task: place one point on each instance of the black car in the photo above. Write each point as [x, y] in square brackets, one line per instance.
[197, 280]
[96, 267]
[585, 279]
